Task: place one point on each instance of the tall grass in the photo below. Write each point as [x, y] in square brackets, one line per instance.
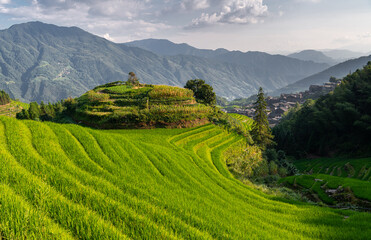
[163, 91]
[69, 182]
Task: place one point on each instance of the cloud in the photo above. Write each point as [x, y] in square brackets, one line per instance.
[108, 37]
[123, 19]
[233, 12]
[194, 4]
[5, 1]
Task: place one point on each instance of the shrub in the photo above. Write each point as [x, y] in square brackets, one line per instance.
[4, 98]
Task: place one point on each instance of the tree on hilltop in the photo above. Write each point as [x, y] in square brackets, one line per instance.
[261, 133]
[133, 79]
[204, 93]
[4, 98]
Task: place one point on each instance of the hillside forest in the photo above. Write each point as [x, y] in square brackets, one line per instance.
[337, 123]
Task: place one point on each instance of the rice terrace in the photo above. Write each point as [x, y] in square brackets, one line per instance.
[65, 182]
[185, 119]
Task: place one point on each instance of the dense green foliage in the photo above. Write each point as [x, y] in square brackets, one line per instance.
[69, 182]
[204, 93]
[339, 122]
[4, 98]
[260, 131]
[43, 112]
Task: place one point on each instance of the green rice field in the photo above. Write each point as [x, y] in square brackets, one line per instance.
[245, 120]
[354, 168]
[12, 108]
[70, 182]
[319, 182]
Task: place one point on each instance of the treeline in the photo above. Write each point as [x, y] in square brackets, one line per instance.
[42, 112]
[337, 123]
[4, 98]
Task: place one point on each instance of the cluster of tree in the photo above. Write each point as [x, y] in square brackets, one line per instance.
[339, 122]
[203, 93]
[42, 112]
[4, 98]
[261, 132]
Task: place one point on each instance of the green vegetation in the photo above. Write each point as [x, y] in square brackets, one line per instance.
[204, 93]
[342, 167]
[4, 98]
[123, 105]
[70, 182]
[43, 112]
[261, 132]
[245, 120]
[12, 108]
[337, 123]
[319, 183]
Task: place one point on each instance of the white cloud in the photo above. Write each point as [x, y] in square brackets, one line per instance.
[122, 19]
[234, 12]
[108, 37]
[194, 4]
[5, 1]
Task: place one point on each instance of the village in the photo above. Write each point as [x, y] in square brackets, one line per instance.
[277, 106]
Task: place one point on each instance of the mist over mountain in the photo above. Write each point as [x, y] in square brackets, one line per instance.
[44, 62]
[339, 71]
[313, 55]
[342, 55]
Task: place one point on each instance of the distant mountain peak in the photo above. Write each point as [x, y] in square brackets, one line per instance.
[314, 56]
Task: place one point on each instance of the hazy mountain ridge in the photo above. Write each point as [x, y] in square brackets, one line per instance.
[339, 71]
[313, 55]
[164, 47]
[45, 62]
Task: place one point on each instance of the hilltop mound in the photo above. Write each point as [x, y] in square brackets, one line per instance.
[119, 105]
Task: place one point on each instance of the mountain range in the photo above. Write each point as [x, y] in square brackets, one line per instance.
[339, 71]
[313, 55]
[44, 62]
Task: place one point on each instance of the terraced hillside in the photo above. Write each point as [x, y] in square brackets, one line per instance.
[329, 188]
[12, 108]
[119, 105]
[355, 168]
[69, 182]
[334, 181]
[245, 120]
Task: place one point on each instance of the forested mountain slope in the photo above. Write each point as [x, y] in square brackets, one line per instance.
[339, 71]
[44, 62]
[338, 122]
[69, 182]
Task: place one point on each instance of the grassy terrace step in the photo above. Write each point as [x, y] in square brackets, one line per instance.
[245, 120]
[361, 189]
[355, 168]
[69, 182]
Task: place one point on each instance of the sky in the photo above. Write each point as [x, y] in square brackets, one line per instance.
[276, 26]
